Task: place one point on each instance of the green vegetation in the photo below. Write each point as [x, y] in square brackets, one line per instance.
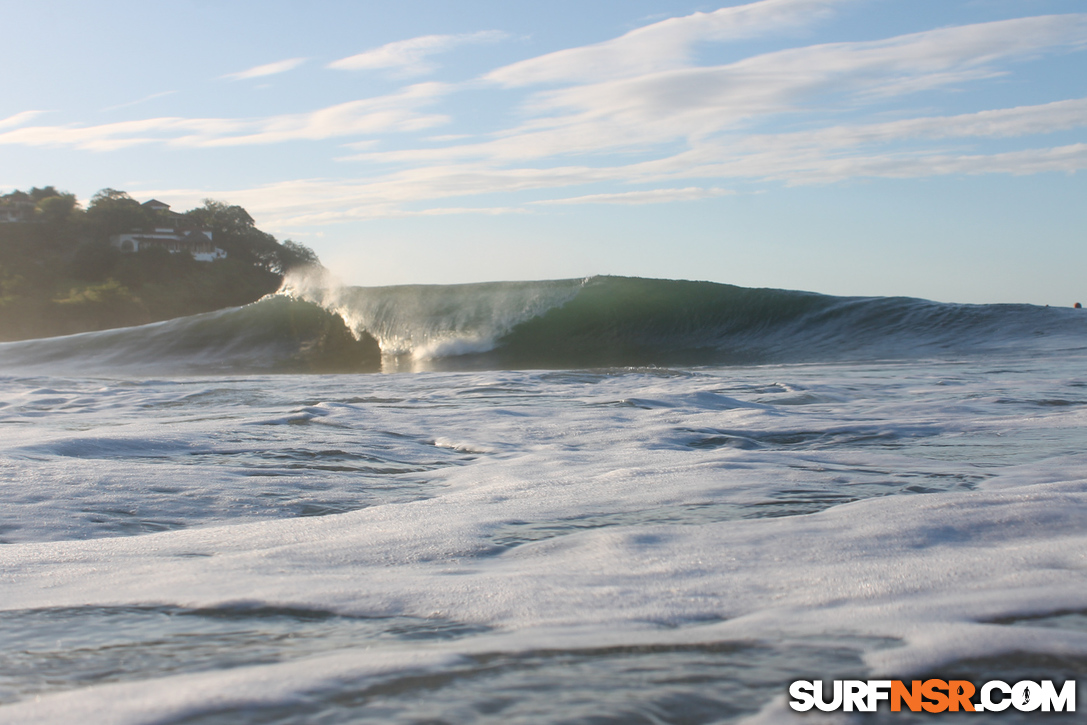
[59, 274]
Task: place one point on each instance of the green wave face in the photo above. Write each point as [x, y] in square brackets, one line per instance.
[598, 322]
[633, 321]
[274, 335]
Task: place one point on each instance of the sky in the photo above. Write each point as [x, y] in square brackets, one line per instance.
[926, 148]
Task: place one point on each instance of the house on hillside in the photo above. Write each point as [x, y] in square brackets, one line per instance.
[197, 242]
[13, 211]
[159, 206]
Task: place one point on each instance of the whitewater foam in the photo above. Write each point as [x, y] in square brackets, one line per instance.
[619, 543]
[432, 321]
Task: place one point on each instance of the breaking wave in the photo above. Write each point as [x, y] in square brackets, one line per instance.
[315, 326]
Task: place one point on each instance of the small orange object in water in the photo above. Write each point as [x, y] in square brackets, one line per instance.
[1078, 306]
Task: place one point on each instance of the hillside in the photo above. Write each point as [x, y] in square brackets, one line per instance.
[59, 273]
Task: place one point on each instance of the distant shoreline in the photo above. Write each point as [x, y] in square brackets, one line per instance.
[119, 263]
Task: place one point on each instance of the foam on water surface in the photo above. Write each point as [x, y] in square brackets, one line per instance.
[626, 545]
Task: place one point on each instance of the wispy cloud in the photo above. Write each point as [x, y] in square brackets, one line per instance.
[648, 196]
[145, 99]
[664, 45]
[307, 202]
[398, 112]
[300, 203]
[695, 103]
[19, 119]
[994, 123]
[818, 156]
[321, 201]
[268, 69]
[883, 149]
[411, 57]
[889, 165]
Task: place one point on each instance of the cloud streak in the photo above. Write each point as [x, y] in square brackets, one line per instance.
[816, 157]
[411, 57]
[649, 196]
[696, 103]
[395, 113]
[884, 149]
[145, 99]
[268, 69]
[301, 203]
[662, 46]
[18, 119]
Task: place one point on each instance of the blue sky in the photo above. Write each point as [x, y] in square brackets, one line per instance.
[930, 148]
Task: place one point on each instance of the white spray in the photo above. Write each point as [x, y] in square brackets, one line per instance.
[431, 321]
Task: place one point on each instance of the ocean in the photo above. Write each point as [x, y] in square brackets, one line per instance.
[610, 500]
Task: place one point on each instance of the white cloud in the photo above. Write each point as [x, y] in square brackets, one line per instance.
[370, 116]
[649, 196]
[145, 99]
[317, 201]
[398, 112]
[820, 156]
[18, 119]
[845, 151]
[1066, 159]
[410, 57]
[102, 137]
[995, 123]
[307, 202]
[648, 111]
[694, 102]
[268, 69]
[661, 46]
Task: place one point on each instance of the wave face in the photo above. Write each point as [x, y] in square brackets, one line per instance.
[313, 326]
[625, 321]
[275, 335]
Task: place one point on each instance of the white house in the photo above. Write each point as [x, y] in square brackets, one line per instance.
[12, 212]
[198, 243]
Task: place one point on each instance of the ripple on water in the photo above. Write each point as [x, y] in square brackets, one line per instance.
[682, 684]
[52, 650]
[819, 494]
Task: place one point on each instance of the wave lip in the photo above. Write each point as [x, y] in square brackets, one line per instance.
[430, 322]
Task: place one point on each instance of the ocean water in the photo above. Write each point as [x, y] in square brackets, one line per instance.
[579, 501]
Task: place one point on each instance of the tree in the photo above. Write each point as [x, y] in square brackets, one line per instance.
[294, 255]
[37, 195]
[57, 209]
[234, 230]
[222, 218]
[115, 212]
